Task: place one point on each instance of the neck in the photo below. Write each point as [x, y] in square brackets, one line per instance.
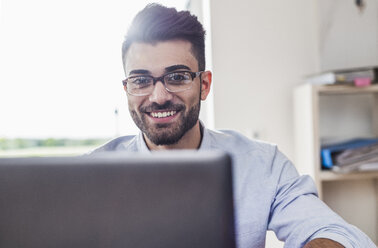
[190, 140]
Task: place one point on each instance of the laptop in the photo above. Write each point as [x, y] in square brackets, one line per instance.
[175, 199]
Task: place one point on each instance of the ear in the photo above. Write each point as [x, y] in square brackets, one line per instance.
[206, 78]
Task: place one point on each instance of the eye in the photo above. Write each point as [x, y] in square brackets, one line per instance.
[140, 82]
[178, 77]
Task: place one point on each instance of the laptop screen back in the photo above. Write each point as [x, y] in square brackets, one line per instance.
[169, 199]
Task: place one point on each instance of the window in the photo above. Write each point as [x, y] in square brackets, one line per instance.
[61, 69]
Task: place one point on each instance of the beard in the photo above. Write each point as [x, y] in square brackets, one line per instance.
[166, 133]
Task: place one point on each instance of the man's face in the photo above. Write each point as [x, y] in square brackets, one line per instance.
[164, 117]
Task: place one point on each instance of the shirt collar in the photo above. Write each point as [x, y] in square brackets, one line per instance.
[206, 142]
[142, 146]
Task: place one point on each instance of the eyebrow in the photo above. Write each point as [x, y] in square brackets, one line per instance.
[167, 69]
[176, 67]
[140, 71]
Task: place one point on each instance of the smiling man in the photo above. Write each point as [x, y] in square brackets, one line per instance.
[164, 61]
[166, 108]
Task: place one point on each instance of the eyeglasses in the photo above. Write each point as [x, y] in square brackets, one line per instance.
[177, 81]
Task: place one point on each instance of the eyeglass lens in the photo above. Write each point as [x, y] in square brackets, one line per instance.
[174, 82]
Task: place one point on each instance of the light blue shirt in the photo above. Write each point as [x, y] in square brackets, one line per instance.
[269, 194]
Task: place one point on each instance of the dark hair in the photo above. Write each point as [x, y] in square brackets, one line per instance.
[158, 23]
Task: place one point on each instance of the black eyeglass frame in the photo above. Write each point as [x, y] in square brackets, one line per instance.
[161, 79]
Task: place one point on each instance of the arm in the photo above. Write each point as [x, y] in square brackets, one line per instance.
[298, 215]
[322, 243]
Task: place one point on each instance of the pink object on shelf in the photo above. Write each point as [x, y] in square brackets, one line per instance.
[361, 82]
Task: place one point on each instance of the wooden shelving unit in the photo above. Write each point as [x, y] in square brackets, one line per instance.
[332, 176]
[336, 112]
[342, 89]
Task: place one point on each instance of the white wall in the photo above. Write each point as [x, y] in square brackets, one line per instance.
[342, 20]
[261, 50]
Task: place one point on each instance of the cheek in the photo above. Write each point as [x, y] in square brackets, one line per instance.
[134, 102]
[192, 99]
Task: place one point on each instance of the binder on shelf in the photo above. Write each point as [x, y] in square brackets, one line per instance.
[351, 76]
[328, 153]
[363, 165]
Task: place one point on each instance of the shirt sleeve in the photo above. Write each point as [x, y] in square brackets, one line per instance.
[297, 215]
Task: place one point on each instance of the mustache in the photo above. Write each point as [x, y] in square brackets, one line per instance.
[166, 106]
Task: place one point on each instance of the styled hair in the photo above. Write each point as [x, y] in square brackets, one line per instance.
[157, 23]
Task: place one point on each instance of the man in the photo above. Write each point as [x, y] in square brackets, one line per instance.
[164, 61]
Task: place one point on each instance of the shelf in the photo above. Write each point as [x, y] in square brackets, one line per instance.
[332, 176]
[345, 89]
[338, 111]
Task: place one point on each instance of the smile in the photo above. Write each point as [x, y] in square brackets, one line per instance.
[163, 114]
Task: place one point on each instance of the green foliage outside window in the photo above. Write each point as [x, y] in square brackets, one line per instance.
[19, 143]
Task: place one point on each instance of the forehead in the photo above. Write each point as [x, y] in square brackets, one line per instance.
[155, 57]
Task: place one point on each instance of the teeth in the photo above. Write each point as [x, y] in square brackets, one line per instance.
[162, 114]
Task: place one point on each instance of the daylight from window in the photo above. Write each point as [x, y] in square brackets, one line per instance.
[61, 69]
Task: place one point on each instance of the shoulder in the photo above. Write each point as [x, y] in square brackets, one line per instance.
[250, 156]
[235, 142]
[126, 143]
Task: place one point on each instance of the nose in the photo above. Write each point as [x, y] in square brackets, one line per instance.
[160, 95]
